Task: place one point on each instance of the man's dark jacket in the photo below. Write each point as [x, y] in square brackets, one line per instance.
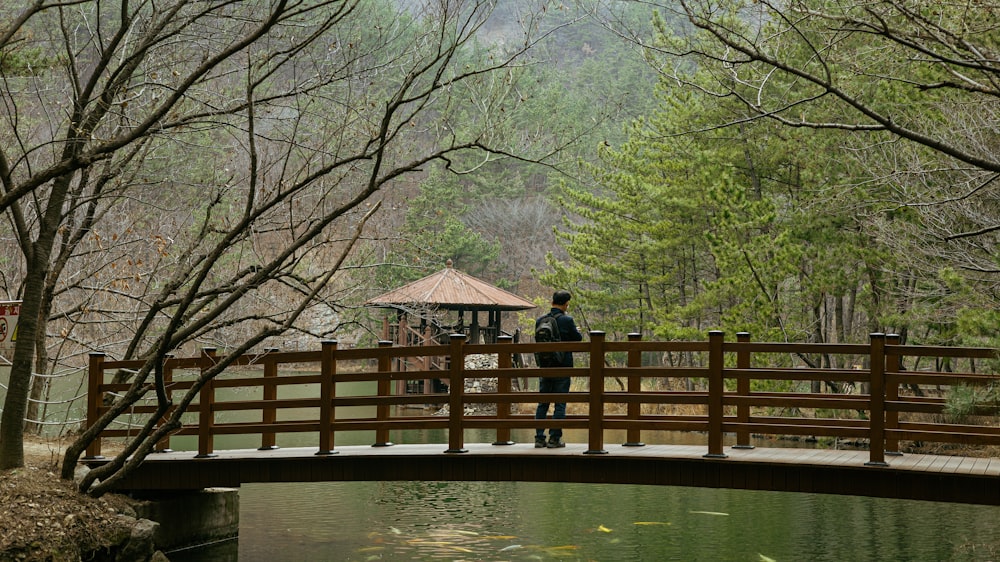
[567, 332]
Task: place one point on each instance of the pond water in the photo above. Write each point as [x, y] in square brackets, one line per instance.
[366, 521]
[511, 521]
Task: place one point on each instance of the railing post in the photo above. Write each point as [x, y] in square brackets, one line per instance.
[269, 414]
[456, 394]
[504, 361]
[716, 387]
[384, 390]
[206, 403]
[327, 394]
[425, 365]
[595, 425]
[743, 391]
[876, 422]
[163, 446]
[892, 364]
[634, 386]
[95, 377]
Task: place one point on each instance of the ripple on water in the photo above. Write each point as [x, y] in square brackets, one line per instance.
[556, 521]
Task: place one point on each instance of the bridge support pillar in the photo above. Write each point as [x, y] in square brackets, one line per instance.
[193, 518]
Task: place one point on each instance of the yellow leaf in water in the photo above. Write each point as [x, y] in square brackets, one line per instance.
[452, 533]
[603, 529]
[650, 523]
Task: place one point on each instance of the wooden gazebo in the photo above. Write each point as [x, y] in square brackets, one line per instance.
[428, 310]
[449, 290]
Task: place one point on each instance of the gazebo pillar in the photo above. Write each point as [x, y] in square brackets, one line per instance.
[474, 328]
[495, 324]
[428, 340]
[403, 337]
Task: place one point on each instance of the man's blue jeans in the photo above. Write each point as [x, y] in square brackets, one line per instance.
[551, 384]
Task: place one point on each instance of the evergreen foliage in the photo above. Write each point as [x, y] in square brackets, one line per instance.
[796, 194]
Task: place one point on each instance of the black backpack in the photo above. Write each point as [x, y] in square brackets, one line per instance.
[548, 331]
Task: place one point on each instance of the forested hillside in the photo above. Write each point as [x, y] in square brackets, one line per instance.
[242, 175]
[814, 171]
[492, 214]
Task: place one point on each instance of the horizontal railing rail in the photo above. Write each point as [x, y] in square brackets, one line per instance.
[722, 389]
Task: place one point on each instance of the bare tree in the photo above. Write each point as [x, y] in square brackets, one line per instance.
[943, 52]
[524, 227]
[231, 152]
[922, 72]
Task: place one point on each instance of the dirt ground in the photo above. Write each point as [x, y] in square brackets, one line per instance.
[45, 518]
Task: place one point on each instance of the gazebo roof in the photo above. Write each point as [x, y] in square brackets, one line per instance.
[453, 290]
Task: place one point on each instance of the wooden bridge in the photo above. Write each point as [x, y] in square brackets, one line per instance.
[725, 391]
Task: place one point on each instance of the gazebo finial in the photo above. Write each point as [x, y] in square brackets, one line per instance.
[449, 263]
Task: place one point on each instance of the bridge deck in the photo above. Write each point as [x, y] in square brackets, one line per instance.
[910, 476]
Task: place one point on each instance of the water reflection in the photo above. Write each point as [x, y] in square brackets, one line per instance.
[546, 521]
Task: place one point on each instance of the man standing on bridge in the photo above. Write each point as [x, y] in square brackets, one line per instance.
[567, 332]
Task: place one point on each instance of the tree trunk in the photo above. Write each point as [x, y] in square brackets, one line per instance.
[35, 412]
[16, 404]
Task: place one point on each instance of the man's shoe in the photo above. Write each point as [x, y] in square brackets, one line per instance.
[539, 442]
[555, 443]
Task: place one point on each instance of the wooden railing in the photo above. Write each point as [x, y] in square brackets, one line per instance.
[729, 389]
